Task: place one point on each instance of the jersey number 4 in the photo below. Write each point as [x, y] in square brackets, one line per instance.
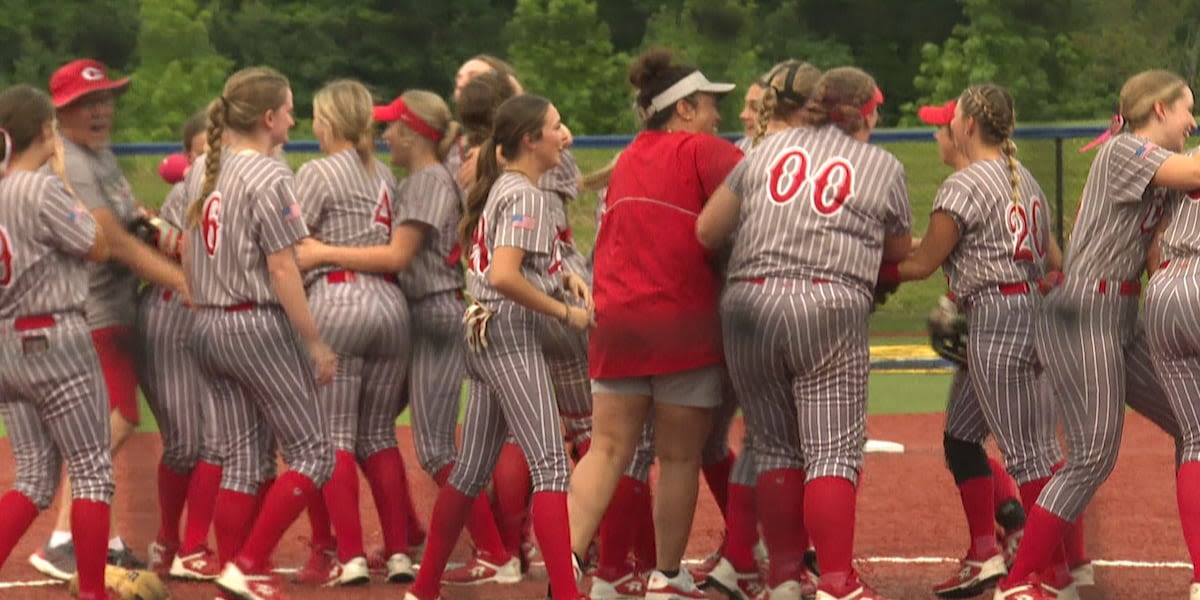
[6, 258]
[1025, 226]
[383, 207]
[210, 223]
[828, 187]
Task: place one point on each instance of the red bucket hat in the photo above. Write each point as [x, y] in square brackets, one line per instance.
[81, 77]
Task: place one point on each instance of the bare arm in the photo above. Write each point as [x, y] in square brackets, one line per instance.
[1154, 252]
[1179, 172]
[1054, 258]
[897, 247]
[143, 260]
[937, 244]
[99, 250]
[505, 275]
[405, 243]
[718, 219]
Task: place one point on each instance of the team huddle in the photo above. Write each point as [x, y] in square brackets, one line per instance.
[268, 312]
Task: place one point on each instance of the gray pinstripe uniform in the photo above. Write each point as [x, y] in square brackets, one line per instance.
[52, 392]
[363, 317]
[794, 313]
[510, 380]
[1001, 253]
[1089, 337]
[176, 391]
[433, 285]
[259, 372]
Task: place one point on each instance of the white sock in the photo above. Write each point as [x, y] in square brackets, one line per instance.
[59, 538]
[116, 543]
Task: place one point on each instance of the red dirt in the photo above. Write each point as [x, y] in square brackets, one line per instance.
[908, 507]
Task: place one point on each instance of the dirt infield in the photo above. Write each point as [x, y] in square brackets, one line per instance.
[909, 522]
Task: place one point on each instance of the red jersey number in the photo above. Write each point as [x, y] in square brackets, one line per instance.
[829, 186]
[383, 208]
[1025, 226]
[6, 258]
[477, 260]
[210, 223]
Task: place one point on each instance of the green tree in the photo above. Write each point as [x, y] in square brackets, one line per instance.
[41, 36]
[558, 45]
[179, 71]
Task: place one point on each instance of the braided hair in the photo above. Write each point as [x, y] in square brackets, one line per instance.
[992, 108]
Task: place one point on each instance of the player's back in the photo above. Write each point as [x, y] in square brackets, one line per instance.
[817, 203]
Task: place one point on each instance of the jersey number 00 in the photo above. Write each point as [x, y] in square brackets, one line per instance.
[828, 187]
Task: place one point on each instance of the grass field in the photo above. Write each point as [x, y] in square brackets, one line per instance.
[905, 311]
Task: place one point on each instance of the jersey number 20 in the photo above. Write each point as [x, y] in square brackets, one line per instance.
[210, 223]
[1025, 226]
[828, 186]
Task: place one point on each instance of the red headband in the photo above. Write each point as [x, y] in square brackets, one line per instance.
[399, 111]
[875, 101]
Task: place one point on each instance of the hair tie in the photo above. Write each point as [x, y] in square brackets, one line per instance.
[1115, 125]
[8, 149]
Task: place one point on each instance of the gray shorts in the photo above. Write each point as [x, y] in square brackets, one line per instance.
[700, 388]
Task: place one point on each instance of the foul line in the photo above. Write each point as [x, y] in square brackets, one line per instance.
[895, 560]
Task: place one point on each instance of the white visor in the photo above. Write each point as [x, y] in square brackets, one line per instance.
[695, 82]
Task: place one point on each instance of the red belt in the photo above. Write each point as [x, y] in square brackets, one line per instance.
[1014, 289]
[243, 307]
[1124, 288]
[351, 277]
[763, 280]
[33, 322]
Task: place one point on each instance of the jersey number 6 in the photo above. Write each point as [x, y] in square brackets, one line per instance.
[829, 186]
[477, 259]
[1026, 229]
[210, 223]
[6, 258]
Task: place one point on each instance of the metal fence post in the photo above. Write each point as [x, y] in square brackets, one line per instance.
[1058, 190]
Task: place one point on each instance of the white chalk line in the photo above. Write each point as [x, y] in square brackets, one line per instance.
[892, 560]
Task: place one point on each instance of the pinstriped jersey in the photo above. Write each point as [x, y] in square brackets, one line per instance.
[345, 205]
[1118, 212]
[44, 232]
[517, 215]
[174, 206]
[564, 178]
[432, 197]
[745, 144]
[999, 241]
[98, 182]
[251, 213]
[456, 157]
[817, 203]
[1181, 238]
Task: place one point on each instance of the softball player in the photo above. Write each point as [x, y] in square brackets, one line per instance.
[990, 231]
[1089, 339]
[802, 262]
[189, 471]
[52, 393]
[252, 319]
[784, 91]
[348, 199]
[84, 97]
[512, 247]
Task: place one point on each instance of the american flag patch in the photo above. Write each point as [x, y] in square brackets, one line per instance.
[524, 222]
[77, 212]
[1145, 150]
[291, 213]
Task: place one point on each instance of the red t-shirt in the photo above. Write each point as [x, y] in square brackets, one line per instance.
[656, 292]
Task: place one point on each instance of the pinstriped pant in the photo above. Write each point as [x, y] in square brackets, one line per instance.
[511, 390]
[263, 387]
[1003, 372]
[55, 406]
[798, 355]
[366, 322]
[436, 377]
[964, 416]
[1173, 329]
[176, 391]
[1092, 351]
[566, 356]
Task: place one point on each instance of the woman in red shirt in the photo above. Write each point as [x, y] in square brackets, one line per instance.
[657, 341]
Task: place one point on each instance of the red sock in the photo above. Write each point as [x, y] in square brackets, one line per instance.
[1030, 490]
[617, 534]
[741, 528]
[1003, 486]
[319, 523]
[977, 497]
[481, 523]
[389, 487]
[202, 499]
[341, 497]
[549, 515]
[172, 495]
[17, 513]
[716, 475]
[1187, 494]
[780, 493]
[829, 507]
[287, 498]
[511, 483]
[449, 515]
[1042, 541]
[443, 475]
[264, 489]
[232, 519]
[1073, 544]
[89, 530]
[645, 552]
